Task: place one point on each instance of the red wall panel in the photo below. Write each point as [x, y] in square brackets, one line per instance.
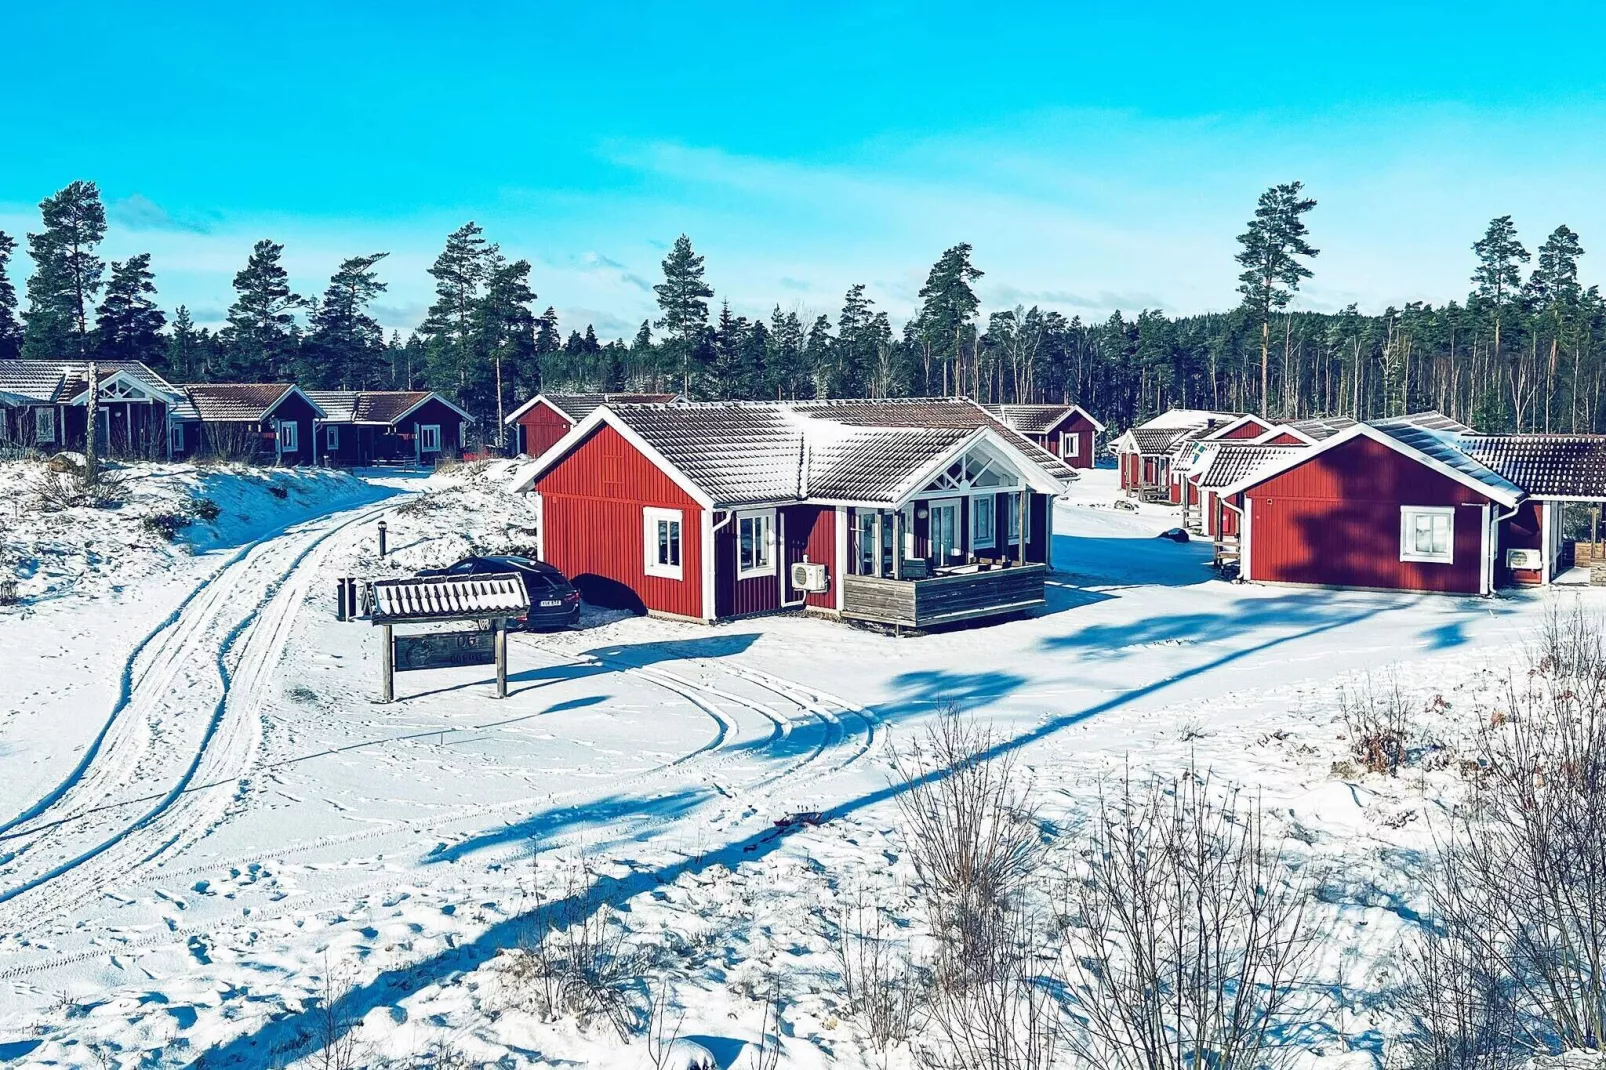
[593, 526]
[1249, 429]
[541, 428]
[1335, 520]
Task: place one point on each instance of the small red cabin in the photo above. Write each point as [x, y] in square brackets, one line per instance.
[539, 423]
[911, 513]
[1069, 432]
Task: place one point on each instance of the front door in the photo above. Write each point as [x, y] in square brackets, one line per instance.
[947, 546]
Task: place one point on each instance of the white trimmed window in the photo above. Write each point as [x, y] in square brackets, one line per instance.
[983, 522]
[176, 438]
[289, 436]
[1427, 533]
[1013, 513]
[755, 545]
[429, 438]
[661, 534]
[1070, 445]
[44, 425]
[331, 437]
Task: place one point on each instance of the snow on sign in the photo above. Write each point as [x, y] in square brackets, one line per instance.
[442, 599]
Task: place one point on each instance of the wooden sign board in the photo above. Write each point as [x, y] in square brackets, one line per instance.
[443, 650]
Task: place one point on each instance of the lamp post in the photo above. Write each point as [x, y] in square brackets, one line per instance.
[381, 539]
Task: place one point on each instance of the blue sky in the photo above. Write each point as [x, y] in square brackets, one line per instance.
[1096, 155]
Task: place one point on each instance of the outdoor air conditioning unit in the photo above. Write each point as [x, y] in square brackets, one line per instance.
[810, 576]
[1525, 559]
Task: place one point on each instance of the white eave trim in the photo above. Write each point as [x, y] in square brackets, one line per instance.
[1034, 475]
[1089, 417]
[1283, 429]
[425, 400]
[539, 399]
[124, 376]
[577, 434]
[1246, 418]
[1298, 457]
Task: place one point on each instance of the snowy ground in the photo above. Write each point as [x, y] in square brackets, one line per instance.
[201, 843]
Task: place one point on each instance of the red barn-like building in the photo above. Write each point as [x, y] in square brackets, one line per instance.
[539, 423]
[908, 513]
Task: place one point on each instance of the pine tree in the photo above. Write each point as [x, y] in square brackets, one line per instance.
[182, 363]
[460, 271]
[643, 357]
[1270, 256]
[724, 372]
[788, 369]
[261, 337]
[1497, 280]
[128, 324]
[504, 331]
[345, 344]
[66, 273]
[1554, 292]
[817, 356]
[949, 305]
[683, 299]
[10, 329]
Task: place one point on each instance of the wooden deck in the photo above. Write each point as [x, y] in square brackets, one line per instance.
[924, 603]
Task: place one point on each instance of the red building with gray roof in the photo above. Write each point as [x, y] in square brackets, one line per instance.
[908, 513]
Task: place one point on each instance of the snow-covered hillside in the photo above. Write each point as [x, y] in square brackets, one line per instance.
[249, 835]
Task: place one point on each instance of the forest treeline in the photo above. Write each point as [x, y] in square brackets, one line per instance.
[1525, 351]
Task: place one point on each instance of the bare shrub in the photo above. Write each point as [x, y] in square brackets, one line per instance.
[1520, 888]
[231, 443]
[881, 982]
[70, 486]
[1377, 720]
[975, 843]
[1186, 936]
[334, 1032]
[766, 1055]
[1462, 1014]
[576, 960]
[970, 831]
[992, 1004]
[664, 1021]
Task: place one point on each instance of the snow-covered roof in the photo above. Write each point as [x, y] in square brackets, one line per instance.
[1232, 462]
[578, 406]
[1550, 466]
[237, 402]
[1191, 418]
[56, 382]
[748, 453]
[379, 408]
[1040, 419]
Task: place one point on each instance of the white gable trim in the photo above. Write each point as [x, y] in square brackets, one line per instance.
[295, 391]
[577, 434]
[1034, 475]
[1089, 417]
[1248, 417]
[1299, 457]
[425, 400]
[1283, 429]
[123, 376]
[539, 399]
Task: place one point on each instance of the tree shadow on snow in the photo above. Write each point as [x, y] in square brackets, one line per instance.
[640, 813]
[923, 691]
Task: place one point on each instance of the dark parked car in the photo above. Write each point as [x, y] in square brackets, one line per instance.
[554, 603]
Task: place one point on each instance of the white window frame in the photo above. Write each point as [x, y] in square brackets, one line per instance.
[289, 436]
[983, 505]
[1012, 520]
[1070, 445]
[766, 567]
[331, 436]
[650, 519]
[175, 438]
[1408, 517]
[44, 425]
[426, 434]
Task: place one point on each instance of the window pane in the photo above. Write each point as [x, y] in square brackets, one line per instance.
[1441, 534]
[674, 542]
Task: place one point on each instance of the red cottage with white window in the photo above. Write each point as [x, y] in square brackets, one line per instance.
[1069, 432]
[538, 424]
[909, 513]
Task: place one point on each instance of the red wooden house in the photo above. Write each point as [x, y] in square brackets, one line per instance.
[538, 424]
[1395, 505]
[908, 513]
[44, 405]
[362, 427]
[1069, 432]
[267, 422]
[1147, 452]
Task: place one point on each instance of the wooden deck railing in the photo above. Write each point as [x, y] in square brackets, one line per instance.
[943, 599]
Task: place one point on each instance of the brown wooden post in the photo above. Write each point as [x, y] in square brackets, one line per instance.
[387, 665]
[1025, 527]
[501, 657]
[1594, 534]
